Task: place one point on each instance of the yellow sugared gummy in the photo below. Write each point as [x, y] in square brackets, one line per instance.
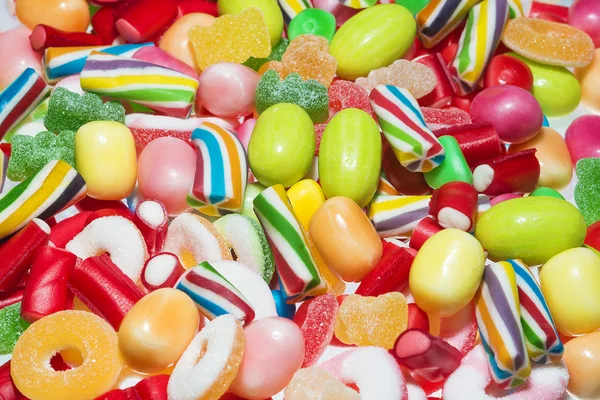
[85, 332]
[269, 8]
[306, 197]
[231, 38]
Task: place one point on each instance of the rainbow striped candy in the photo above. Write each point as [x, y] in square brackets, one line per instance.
[54, 188]
[403, 125]
[64, 61]
[221, 171]
[294, 262]
[384, 187]
[213, 294]
[162, 89]
[518, 8]
[397, 215]
[19, 98]
[358, 4]
[499, 322]
[291, 8]
[478, 42]
[438, 18]
[541, 336]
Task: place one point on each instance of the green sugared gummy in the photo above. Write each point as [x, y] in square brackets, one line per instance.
[276, 55]
[29, 154]
[68, 111]
[548, 192]
[587, 190]
[453, 168]
[311, 95]
[12, 327]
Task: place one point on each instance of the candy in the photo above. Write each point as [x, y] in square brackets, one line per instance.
[282, 145]
[82, 331]
[549, 42]
[103, 24]
[588, 77]
[162, 270]
[580, 140]
[248, 241]
[151, 388]
[19, 98]
[404, 181]
[18, 55]
[68, 111]
[353, 44]
[350, 148]
[221, 344]
[438, 18]
[310, 95]
[478, 42]
[12, 326]
[443, 90]
[185, 7]
[346, 94]
[403, 126]
[310, 383]
[414, 77]
[276, 54]
[581, 358]
[3, 169]
[583, 15]
[454, 205]
[397, 215]
[478, 142]
[268, 8]
[444, 280]
[314, 21]
[443, 118]
[345, 238]
[29, 154]
[425, 229]
[284, 309]
[156, 331]
[54, 188]
[459, 330]
[152, 220]
[453, 168]
[44, 36]
[515, 172]
[546, 191]
[274, 352]
[193, 239]
[65, 230]
[371, 321]
[306, 197]
[71, 15]
[507, 70]
[586, 189]
[60, 62]
[140, 20]
[158, 56]
[533, 229]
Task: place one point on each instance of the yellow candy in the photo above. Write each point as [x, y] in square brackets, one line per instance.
[306, 197]
[571, 284]
[85, 332]
[158, 328]
[446, 272]
[269, 8]
[105, 156]
[231, 38]
[335, 285]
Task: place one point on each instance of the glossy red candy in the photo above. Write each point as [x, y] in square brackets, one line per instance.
[507, 70]
[404, 181]
[592, 238]
[417, 318]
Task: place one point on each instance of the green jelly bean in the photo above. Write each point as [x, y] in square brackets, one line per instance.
[312, 21]
[555, 88]
[414, 6]
[269, 8]
[252, 190]
[546, 191]
[373, 38]
[282, 145]
[350, 156]
[533, 228]
[453, 168]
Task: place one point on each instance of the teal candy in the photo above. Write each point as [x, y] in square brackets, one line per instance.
[587, 190]
[284, 309]
[312, 21]
[12, 327]
[310, 95]
[546, 191]
[67, 111]
[276, 55]
[414, 6]
[453, 168]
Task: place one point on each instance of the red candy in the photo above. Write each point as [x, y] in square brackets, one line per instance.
[160, 271]
[151, 388]
[11, 298]
[443, 91]
[478, 142]
[346, 94]
[454, 205]
[44, 36]
[196, 6]
[8, 391]
[426, 228]
[103, 23]
[510, 173]
[592, 238]
[90, 204]
[436, 118]
[109, 212]
[404, 181]
[65, 230]
[507, 70]
[417, 318]
[552, 12]
[464, 102]
[152, 220]
[139, 20]
[460, 330]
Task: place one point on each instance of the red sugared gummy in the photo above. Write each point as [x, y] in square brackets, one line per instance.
[436, 118]
[346, 94]
[507, 70]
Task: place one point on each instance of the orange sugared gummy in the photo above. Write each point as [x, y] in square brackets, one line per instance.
[416, 77]
[316, 383]
[308, 56]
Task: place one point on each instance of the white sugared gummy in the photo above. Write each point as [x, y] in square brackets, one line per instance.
[451, 218]
[159, 268]
[152, 213]
[482, 177]
[42, 224]
[187, 232]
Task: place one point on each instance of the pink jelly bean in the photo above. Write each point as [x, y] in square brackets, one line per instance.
[514, 112]
[71, 83]
[273, 353]
[585, 15]
[582, 137]
[158, 56]
[166, 169]
[17, 55]
[244, 131]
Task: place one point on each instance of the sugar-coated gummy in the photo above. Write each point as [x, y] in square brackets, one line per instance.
[276, 55]
[11, 327]
[586, 190]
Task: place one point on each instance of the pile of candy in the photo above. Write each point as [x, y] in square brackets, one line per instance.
[299, 199]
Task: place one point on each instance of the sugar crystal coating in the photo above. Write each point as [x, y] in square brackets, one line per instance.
[587, 189]
[276, 54]
[316, 383]
[12, 327]
[417, 78]
[308, 56]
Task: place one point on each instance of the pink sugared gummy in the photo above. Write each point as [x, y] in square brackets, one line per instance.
[346, 94]
[437, 118]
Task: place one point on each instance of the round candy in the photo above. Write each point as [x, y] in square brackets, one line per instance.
[585, 15]
[158, 328]
[373, 38]
[306, 198]
[17, 55]
[582, 137]
[105, 156]
[571, 285]
[312, 21]
[446, 272]
[514, 112]
[66, 15]
[350, 156]
[589, 77]
[507, 70]
[86, 333]
[282, 145]
[228, 89]
[269, 9]
[274, 352]
[546, 191]
[582, 356]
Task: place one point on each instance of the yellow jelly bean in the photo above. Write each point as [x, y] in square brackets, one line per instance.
[105, 156]
[157, 330]
[571, 284]
[306, 197]
[446, 272]
[269, 8]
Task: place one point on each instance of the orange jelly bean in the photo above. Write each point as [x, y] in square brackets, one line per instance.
[66, 15]
[589, 78]
[345, 238]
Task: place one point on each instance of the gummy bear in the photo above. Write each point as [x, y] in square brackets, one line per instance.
[308, 56]
[12, 327]
[587, 189]
[311, 95]
[316, 383]
[67, 111]
[276, 54]
[29, 154]
[372, 321]
[231, 38]
[416, 77]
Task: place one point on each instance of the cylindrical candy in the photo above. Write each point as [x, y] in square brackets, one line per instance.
[438, 18]
[161, 271]
[425, 229]
[454, 205]
[397, 215]
[509, 173]
[403, 181]
[139, 20]
[478, 142]
[44, 36]
[152, 220]
[453, 168]
[443, 91]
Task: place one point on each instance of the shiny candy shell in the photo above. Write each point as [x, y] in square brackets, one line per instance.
[306, 197]
[17, 55]
[66, 15]
[582, 356]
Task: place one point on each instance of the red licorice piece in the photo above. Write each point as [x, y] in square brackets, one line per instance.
[391, 272]
[109, 212]
[44, 36]
[8, 390]
[426, 355]
[6, 148]
[443, 91]
[417, 318]
[151, 388]
[139, 20]
[426, 228]
[11, 298]
[507, 70]
[553, 12]
[510, 173]
[454, 205]
[478, 142]
[17, 252]
[152, 220]
[404, 181]
[119, 394]
[89, 204]
[103, 23]
[196, 6]
[46, 291]
[160, 271]
[592, 238]
[104, 288]
[65, 230]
